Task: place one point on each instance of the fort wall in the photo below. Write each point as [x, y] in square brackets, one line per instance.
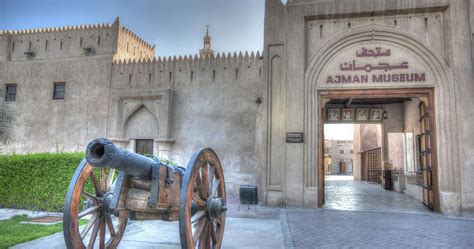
[214, 104]
[60, 43]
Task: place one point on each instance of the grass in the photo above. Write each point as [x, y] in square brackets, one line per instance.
[12, 232]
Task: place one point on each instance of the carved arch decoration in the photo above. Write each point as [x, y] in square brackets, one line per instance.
[133, 111]
[444, 98]
[127, 105]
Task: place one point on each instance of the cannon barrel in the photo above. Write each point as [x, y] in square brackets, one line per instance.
[103, 153]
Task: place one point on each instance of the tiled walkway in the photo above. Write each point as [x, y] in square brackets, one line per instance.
[343, 193]
[324, 228]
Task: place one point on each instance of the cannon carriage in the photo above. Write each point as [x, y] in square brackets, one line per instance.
[112, 185]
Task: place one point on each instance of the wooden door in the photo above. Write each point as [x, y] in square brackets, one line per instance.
[425, 171]
[372, 165]
[342, 167]
[144, 146]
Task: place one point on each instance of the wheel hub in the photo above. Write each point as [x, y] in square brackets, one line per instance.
[215, 207]
[106, 204]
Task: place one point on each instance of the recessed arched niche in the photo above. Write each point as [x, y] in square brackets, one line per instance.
[142, 124]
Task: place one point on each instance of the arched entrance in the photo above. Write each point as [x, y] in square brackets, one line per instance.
[380, 62]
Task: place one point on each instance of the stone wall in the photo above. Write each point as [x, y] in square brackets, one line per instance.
[214, 104]
[393, 135]
[61, 43]
[47, 124]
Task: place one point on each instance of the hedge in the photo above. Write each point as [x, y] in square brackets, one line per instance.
[36, 181]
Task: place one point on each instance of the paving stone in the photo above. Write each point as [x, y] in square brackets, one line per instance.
[239, 233]
[345, 194]
[325, 228]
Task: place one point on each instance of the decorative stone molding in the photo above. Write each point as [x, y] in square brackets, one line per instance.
[126, 103]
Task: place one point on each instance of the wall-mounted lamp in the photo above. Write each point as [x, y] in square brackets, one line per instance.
[259, 100]
[385, 115]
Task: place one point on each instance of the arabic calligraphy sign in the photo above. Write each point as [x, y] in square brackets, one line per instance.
[374, 64]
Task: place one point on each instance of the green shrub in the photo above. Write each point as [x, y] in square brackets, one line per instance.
[36, 181]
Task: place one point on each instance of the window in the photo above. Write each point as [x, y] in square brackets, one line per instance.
[352, 152]
[59, 89]
[10, 92]
[144, 146]
[341, 152]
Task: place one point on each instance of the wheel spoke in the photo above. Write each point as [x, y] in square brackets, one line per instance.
[95, 183]
[87, 211]
[88, 227]
[110, 224]
[198, 215]
[94, 234]
[205, 182]
[200, 186]
[198, 200]
[91, 197]
[215, 187]
[110, 179]
[199, 229]
[204, 240]
[212, 169]
[103, 180]
[102, 234]
[213, 233]
[218, 221]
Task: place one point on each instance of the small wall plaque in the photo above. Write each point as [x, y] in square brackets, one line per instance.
[294, 137]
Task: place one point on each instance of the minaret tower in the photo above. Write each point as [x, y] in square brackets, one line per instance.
[207, 52]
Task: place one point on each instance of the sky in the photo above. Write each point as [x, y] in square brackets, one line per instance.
[176, 27]
[339, 131]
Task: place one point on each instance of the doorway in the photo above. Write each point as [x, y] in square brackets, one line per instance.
[411, 173]
[144, 146]
[342, 167]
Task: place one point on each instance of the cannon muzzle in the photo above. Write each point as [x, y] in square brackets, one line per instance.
[103, 153]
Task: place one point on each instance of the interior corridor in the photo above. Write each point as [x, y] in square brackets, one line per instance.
[343, 193]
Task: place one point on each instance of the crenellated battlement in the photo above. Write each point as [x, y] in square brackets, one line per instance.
[177, 71]
[74, 41]
[57, 29]
[131, 46]
[60, 42]
[190, 58]
[136, 38]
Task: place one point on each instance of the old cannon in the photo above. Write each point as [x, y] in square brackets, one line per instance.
[112, 185]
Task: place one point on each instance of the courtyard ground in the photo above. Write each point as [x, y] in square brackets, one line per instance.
[343, 193]
[363, 215]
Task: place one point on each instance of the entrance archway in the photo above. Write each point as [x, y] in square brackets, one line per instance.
[431, 197]
[439, 81]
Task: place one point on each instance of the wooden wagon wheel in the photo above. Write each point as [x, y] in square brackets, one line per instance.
[203, 200]
[87, 199]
